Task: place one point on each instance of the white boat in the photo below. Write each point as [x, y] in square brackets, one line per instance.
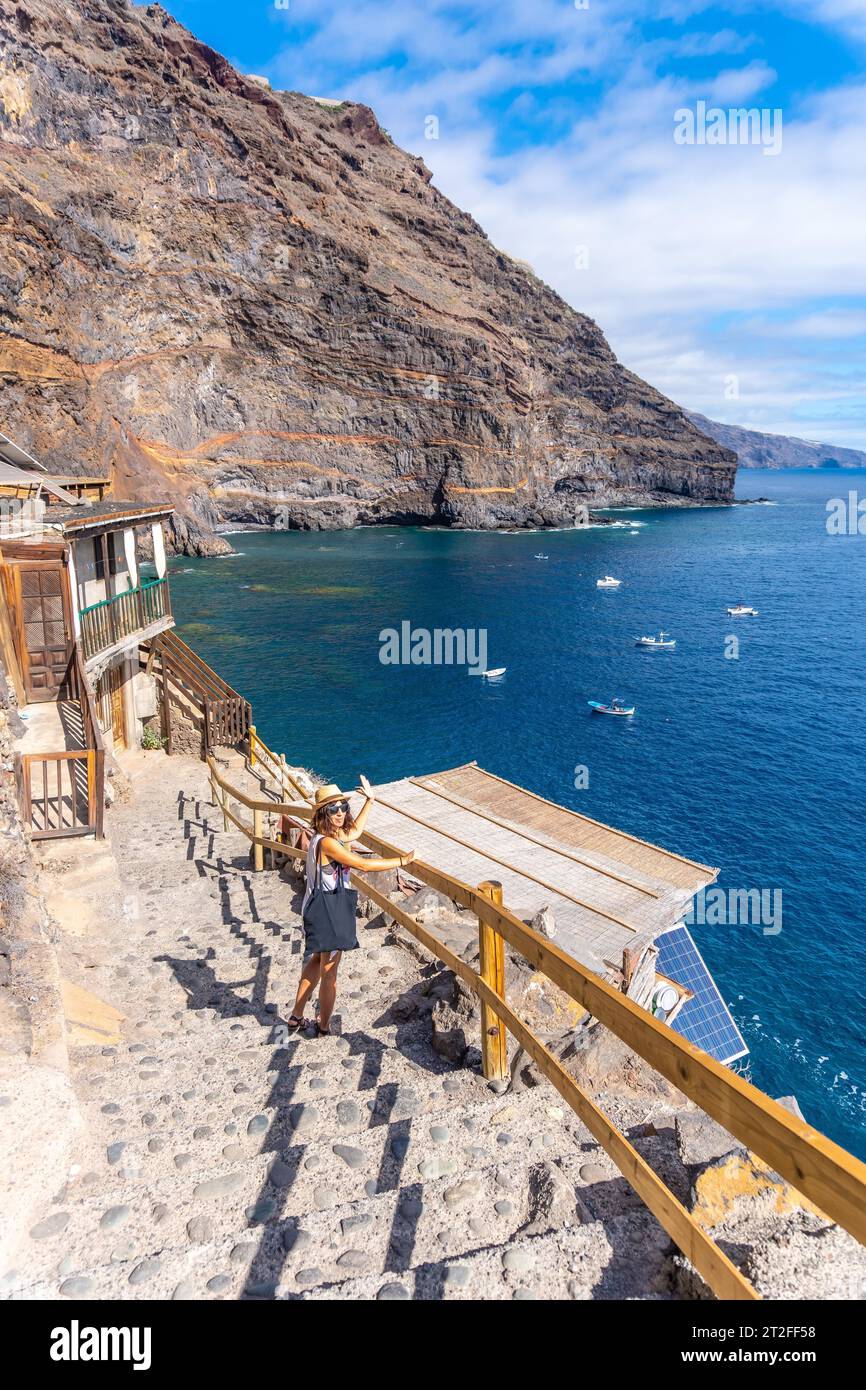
[616, 707]
[495, 673]
[742, 610]
[608, 582]
[656, 644]
[542, 557]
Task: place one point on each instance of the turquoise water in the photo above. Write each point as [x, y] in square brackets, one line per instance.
[755, 764]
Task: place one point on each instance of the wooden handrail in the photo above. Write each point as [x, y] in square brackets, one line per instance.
[259, 749]
[821, 1170]
[178, 651]
[226, 714]
[93, 739]
[720, 1273]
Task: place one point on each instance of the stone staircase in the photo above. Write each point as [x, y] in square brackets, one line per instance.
[226, 1158]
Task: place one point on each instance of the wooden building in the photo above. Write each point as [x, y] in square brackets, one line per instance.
[76, 608]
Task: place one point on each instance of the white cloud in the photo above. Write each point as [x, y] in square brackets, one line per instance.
[678, 236]
[829, 325]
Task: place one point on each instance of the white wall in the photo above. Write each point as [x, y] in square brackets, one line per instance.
[91, 589]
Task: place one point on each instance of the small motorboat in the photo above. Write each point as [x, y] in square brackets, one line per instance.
[495, 673]
[542, 557]
[608, 582]
[656, 644]
[616, 706]
[742, 610]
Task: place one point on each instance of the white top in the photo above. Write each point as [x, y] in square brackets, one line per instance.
[329, 873]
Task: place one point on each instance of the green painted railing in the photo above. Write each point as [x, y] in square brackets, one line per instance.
[109, 620]
[104, 602]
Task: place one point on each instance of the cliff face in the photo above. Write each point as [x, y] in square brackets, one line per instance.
[757, 450]
[259, 306]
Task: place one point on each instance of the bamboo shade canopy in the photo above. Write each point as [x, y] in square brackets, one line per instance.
[605, 887]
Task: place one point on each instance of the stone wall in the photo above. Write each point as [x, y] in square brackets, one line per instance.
[39, 1111]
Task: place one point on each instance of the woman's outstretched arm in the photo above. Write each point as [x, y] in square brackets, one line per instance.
[333, 849]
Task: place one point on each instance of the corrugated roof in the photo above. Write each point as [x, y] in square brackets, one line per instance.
[13, 476]
[92, 514]
[14, 454]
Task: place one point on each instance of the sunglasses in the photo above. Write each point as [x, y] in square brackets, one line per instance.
[334, 806]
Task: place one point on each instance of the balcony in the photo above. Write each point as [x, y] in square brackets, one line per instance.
[112, 621]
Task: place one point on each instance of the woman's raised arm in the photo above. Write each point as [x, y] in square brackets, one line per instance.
[361, 818]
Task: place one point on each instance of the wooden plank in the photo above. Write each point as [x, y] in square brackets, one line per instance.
[524, 835]
[577, 815]
[504, 863]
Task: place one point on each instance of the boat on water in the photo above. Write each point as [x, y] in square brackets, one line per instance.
[742, 610]
[495, 673]
[608, 582]
[616, 706]
[542, 557]
[662, 643]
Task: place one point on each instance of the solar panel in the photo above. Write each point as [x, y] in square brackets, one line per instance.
[704, 1020]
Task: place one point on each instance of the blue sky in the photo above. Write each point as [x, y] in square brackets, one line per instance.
[733, 280]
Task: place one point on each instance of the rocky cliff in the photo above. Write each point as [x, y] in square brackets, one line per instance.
[757, 450]
[256, 304]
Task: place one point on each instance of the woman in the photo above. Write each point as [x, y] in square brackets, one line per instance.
[333, 830]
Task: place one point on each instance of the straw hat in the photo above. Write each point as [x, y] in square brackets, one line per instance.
[329, 793]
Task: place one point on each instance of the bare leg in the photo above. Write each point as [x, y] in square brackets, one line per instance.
[309, 979]
[328, 989]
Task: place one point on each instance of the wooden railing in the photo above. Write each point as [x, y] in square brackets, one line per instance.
[819, 1169]
[275, 766]
[63, 793]
[225, 715]
[92, 737]
[59, 793]
[109, 621]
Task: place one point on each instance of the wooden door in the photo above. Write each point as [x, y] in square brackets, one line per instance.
[43, 610]
[118, 718]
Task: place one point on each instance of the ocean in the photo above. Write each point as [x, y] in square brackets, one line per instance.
[745, 754]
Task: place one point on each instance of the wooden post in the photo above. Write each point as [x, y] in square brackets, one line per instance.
[494, 1049]
[258, 850]
[99, 781]
[252, 745]
[166, 705]
[91, 789]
